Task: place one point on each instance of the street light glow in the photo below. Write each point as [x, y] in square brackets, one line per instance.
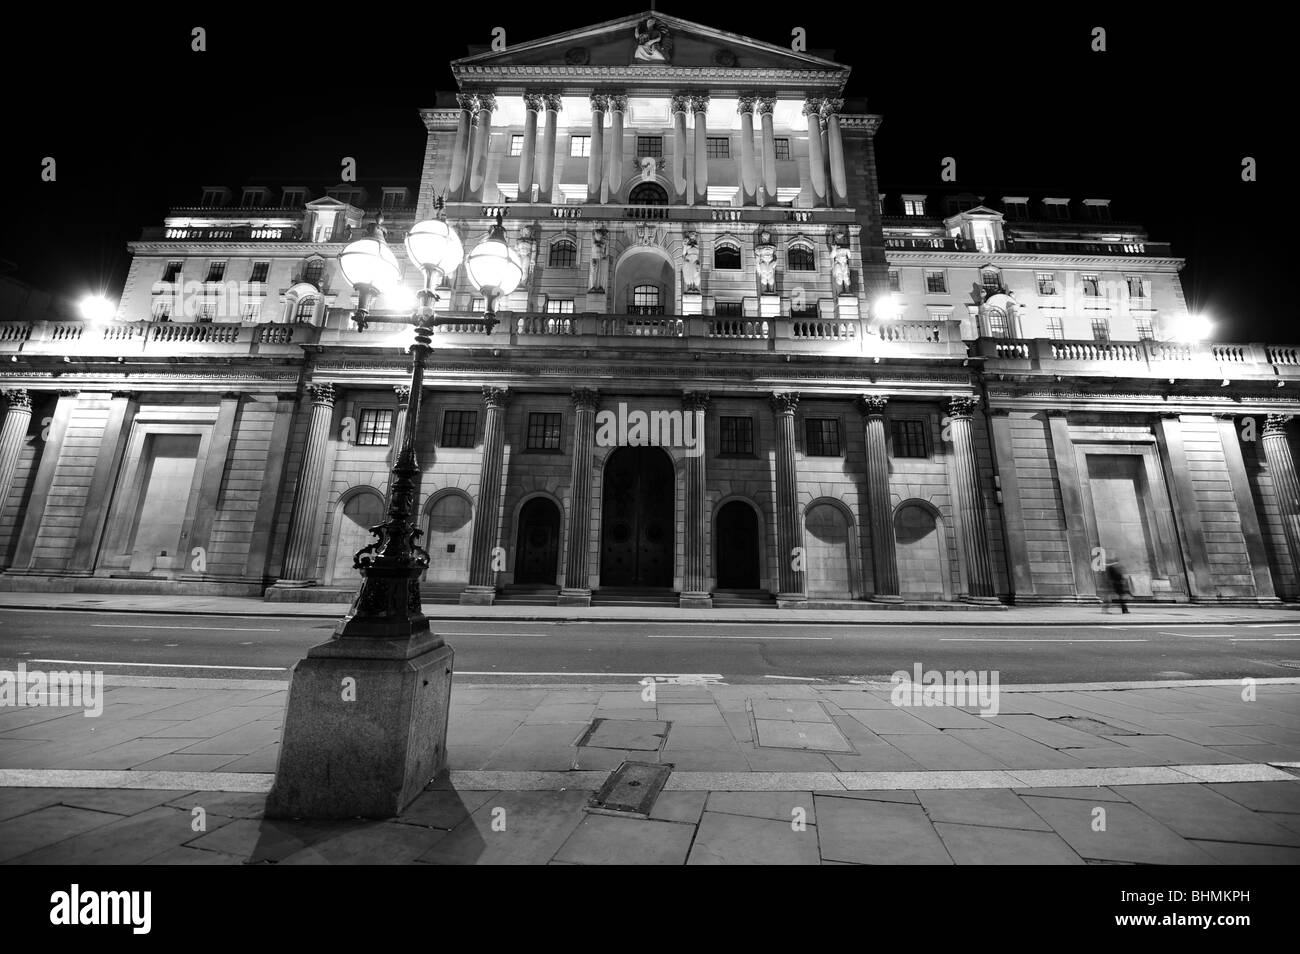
[1193, 328]
[97, 308]
[885, 308]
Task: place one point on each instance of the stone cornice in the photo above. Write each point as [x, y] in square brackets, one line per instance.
[864, 122]
[906, 256]
[440, 118]
[507, 77]
[327, 249]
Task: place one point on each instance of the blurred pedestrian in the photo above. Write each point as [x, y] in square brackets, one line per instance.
[1118, 585]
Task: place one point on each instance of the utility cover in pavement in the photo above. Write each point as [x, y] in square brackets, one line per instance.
[632, 788]
[638, 735]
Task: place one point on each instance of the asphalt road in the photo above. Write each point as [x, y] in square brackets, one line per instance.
[150, 644]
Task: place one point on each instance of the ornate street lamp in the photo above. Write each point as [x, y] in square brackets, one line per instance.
[372, 757]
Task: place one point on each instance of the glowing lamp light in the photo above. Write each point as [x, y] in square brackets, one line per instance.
[1193, 328]
[397, 298]
[369, 265]
[434, 245]
[885, 308]
[493, 267]
[97, 308]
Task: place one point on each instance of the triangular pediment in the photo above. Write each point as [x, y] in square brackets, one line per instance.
[635, 43]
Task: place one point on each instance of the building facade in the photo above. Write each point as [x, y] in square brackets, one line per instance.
[737, 372]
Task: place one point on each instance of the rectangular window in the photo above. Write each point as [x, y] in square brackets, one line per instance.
[729, 309]
[292, 198]
[895, 280]
[1047, 283]
[516, 145]
[650, 146]
[162, 311]
[1101, 329]
[172, 272]
[314, 272]
[1091, 286]
[823, 436]
[997, 324]
[216, 271]
[782, 149]
[477, 304]
[908, 437]
[804, 311]
[459, 428]
[717, 147]
[736, 436]
[259, 271]
[579, 145]
[544, 431]
[1144, 330]
[914, 206]
[559, 306]
[936, 283]
[251, 311]
[375, 427]
[206, 312]
[392, 199]
[1055, 327]
[1137, 287]
[1017, 210]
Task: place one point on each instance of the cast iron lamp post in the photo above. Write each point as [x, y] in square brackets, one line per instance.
[366, 725]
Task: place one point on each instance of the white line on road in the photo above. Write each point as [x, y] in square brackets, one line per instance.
[995, 639]
[799, 678]
[1288, 638]
[704, 636]
[83, 662]
[1200, 635]
[215, 629]
[633, 675]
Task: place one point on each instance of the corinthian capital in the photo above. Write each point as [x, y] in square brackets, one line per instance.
[495, 397]
[962, 407]
[872, 405]
[534, 101]
[765, 105]
[830, 106]
[467, 101]
[695, 400]
[17, 398]
[599, 102]
[553, 102]
[618, 103]
[699, 102]
[1275, 425]
[812, 105]
[681, 103]
[487, 101]
[586, 399]
[322, 394]
[745, 104]
[783, 402]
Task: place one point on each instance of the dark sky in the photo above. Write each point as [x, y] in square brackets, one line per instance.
[1159, 122]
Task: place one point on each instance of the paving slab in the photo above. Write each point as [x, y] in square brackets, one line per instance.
[731, 839]
[778, 806]
[47, 826]
[1130, 835]
[631, 734]
[610, 840]
[987, 808]
[976, 845]
[127, 840]
[1262, 796]
[872, 832]
[513, 828]
[378, 843]
[679, 806]
[790, 710]
[816, 736]
[1196, 812]
[443, 808]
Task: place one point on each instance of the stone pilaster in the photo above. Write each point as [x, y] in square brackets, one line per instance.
[302, 552]
[482, 589]
[748, 167]
[403, 392]
[812, 109]
[765, 105]
[789, 530]
[700, 107]
[830, 113]
[681, 104]
[596, 160]
[577, 589]
[546, 161]
[467, 103]
[1281, 468]
[18, 418]
[884, 557]
[617, 107]
[527, 157]
[487, 104]
[695, 572]
[970, 503]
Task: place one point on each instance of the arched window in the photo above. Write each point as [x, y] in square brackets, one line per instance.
[997, 323]
[305, 313]
[991, 279]
[800, 258]
[314, 272]
[647, 193]
[726, 255]
[646, 300]
[564, 254]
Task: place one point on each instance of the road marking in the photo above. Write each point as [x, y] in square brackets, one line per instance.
[703, 636]
[996, 639]
[1288, 638]
[215, 629]
[633, 675]
[799, 678]
[83, 662]
[1200, 635]
[537, 635]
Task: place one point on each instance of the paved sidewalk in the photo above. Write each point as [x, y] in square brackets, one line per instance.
[1166, 773]
[955, 615]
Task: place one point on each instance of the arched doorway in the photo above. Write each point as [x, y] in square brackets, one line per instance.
[828, 551]
[647, 193]
[447, 538]
[352, 523]
[644, 283]
[737, 548]
[922, 563]
[537, 552]
[636, 526]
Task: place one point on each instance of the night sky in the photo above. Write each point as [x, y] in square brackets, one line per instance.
[1159, 123]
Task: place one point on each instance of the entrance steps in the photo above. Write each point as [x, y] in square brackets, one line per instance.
[743, 599]
[634, 596]
[525, 594]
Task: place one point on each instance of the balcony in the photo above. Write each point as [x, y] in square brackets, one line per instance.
[651, 213]
[1140, 359]
[153, 338]
[234, 233]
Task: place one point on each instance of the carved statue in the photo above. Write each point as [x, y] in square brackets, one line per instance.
[767, 268]
[691, 263]
[526, 249]
[599, 248]
[648, 166]
[652, 41]
[840, 269]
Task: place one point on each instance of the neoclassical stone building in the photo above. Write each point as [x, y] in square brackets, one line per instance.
[737, 371]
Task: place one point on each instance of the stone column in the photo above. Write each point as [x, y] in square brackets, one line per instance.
[482, 138]
[546, 162]
[482, 589]
[466, 102]
[680, 105]
[839, 182]
[812, 108]
[18, 418]
[1281, 468]
[617, 107]
[695, 572]
[395, 438]
[596, 160]
[789, 531]
[970, 503]
[302, 552]
[527, 158]
[884, 558]
[700, 106]
[765, 106]
[577, 591]
[748, 168]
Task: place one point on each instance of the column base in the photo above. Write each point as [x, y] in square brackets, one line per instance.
[981, 600]
[370, 754]
[791, 600]
[293, 584]
[695, 600]
[886, 598]
[478, 596]
[573, 597]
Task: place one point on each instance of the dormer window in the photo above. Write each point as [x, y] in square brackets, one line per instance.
[1098, 210]
[1015, 207]
[393, 199]
[1057, 208]
[213, 197]
[253, 198]
[294, 198]
[914, 205]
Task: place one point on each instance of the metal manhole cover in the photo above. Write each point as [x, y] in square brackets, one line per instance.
[631, 789]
